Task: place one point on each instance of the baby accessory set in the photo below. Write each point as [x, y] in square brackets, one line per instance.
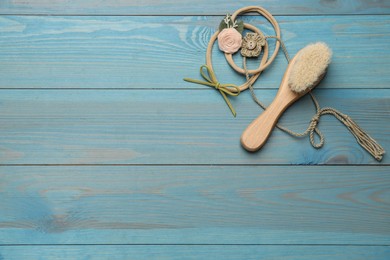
[304, 72]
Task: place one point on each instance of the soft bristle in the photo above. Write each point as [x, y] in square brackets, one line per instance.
[312, 62]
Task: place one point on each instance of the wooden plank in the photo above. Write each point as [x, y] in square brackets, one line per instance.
[205, 252]
[195, 205]
[177, 127]
[157, 52]
[220, 7]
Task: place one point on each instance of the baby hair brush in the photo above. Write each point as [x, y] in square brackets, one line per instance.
[303, 73]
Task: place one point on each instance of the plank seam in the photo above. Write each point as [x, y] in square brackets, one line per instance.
[341, 245]
[185, 15]
[184, 88]
[193, 165]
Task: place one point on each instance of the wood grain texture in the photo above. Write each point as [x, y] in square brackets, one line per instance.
[172, 252]
[220, 7]
[158, 52]
[195, 205]
[105, 153]
[177, 127]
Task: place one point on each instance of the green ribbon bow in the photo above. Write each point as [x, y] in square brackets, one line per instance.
[211, 81]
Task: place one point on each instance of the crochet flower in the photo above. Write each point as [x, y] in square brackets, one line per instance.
[229, 40]
[251, 45]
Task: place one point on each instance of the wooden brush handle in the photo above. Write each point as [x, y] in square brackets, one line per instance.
[257, 133]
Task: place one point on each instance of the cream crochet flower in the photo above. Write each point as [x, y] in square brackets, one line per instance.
[252, 45]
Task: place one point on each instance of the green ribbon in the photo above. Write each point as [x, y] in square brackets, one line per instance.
[211, 81]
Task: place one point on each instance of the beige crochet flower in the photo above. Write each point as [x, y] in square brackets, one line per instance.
[229, 40]
[251, 45]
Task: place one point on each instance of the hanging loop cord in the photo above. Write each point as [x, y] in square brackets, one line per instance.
[211, 81]
[365, 141]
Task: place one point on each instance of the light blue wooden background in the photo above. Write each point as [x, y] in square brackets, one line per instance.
[106, 153]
